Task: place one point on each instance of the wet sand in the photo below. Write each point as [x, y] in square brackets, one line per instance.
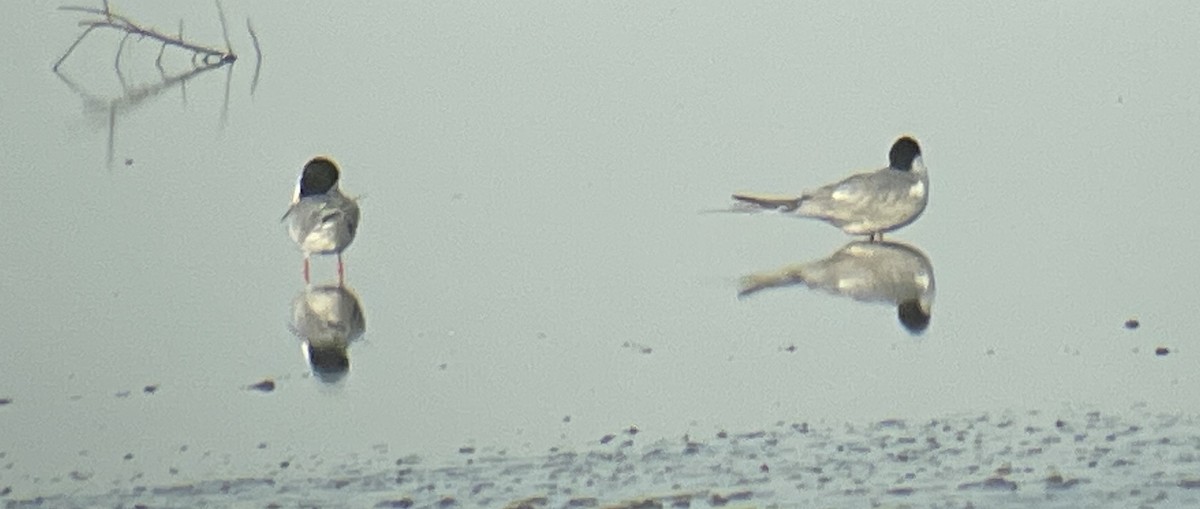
[1032, 459]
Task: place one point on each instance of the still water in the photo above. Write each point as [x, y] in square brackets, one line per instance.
[535, 278]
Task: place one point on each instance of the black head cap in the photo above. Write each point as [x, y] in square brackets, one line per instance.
[320, 175]
[329, 363]
[903, 152]
[913, 316]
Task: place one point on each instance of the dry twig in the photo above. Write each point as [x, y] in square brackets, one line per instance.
[109, 19]
[203, 58]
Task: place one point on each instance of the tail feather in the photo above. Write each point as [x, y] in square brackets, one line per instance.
[784, 202]
[787, 276]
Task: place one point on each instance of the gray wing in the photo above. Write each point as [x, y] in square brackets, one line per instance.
[858, 196]
[297, 221]
[352, 215]
[307, 215]
[341, 212]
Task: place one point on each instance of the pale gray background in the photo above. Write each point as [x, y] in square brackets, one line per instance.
[533, 173]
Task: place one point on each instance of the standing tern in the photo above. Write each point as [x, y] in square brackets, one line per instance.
[868, 203]
[322, 220]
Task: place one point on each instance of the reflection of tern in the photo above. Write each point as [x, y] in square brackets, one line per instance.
[865, 271]
[864, 204]
[321, 219]
[327, 319]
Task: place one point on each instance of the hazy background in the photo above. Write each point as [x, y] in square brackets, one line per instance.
[533, 173]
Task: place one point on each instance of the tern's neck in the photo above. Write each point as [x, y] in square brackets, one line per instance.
[918, 166]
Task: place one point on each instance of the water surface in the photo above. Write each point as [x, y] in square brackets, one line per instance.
[533, 268]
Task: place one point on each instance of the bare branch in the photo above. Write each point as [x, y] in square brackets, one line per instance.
[158, 61]
[258, 55]
[117, 61]
[203, 58]
[224, 28]
[120, 23]
[163, 49]
[72, 48]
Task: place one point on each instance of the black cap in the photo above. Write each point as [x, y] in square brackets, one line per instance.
[320, 175]
[913, 316]
[329, 362]
[903, 152]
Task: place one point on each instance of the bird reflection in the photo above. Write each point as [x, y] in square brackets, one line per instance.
[887, 271]
[327, 319]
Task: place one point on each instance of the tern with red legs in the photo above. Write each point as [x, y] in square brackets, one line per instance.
[322, 220]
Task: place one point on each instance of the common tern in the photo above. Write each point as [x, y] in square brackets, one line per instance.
[868, 203]
[322, 220]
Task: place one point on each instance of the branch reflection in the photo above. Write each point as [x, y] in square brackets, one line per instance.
[133, 97]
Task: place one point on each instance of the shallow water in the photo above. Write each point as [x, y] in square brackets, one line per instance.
[534, 270]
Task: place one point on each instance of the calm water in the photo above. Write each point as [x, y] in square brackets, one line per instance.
[535, 273]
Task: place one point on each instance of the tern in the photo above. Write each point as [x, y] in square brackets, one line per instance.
[322, 220]
[870, 203]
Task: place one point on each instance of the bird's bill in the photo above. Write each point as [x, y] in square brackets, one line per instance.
[289, 212]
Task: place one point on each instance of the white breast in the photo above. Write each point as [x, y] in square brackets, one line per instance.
[917, 190]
